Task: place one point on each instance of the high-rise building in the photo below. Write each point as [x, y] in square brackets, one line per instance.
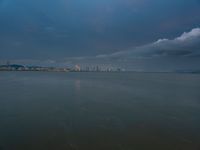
[77, 68]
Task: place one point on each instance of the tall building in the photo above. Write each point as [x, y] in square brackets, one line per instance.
[77, 68]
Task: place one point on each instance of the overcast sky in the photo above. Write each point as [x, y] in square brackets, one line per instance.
[66, 30]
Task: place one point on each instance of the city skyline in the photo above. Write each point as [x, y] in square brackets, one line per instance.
[133, 34]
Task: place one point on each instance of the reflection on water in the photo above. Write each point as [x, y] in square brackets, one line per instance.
[99, 111]
[78, 84]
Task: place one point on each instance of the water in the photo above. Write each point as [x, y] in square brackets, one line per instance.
[99, 111]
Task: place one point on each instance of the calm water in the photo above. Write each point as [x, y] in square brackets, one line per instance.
[99, 111]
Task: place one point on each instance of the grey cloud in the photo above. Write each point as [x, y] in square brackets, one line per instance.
[182, 52]
[88, 28]
[188, 44]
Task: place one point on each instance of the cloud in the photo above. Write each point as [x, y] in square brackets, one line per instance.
[188, 44]
[180, 53]
[192, 35]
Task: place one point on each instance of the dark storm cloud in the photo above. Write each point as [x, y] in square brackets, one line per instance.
[43, 29]
[187, 45]
[180, 53]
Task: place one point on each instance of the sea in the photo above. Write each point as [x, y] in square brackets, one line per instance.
[99, 111]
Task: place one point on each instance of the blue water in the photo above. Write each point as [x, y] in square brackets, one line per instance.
[99, 111]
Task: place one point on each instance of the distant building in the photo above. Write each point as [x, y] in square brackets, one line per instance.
[87, 69]
[98, 69]
[77, 68]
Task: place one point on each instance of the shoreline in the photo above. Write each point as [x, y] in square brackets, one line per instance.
[100, 71]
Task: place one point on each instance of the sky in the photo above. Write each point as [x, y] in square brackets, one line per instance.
[133, 34]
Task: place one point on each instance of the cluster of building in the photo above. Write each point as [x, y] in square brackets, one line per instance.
[15, 67]
[76, 68]
[102, 69]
